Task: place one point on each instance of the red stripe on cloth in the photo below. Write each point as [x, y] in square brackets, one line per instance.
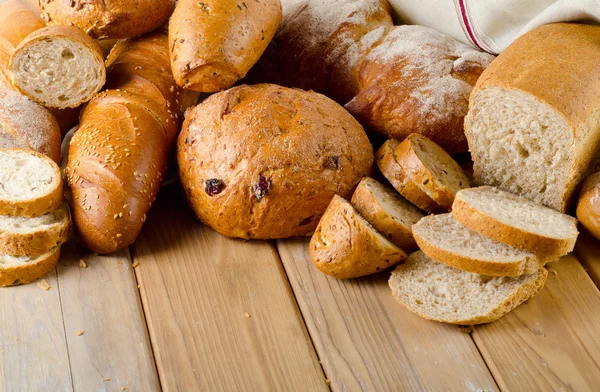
[467, 23]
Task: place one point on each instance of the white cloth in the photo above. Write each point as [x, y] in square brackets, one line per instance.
[492, 25]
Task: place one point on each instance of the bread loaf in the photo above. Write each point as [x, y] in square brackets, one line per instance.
[118, 157]
[264, 161]
[533, 119]
[16, 270]
[214, 43]
[108, 18]
[58, 66]
[588, 206]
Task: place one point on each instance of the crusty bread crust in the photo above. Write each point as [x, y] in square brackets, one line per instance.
[588, 206]
[239, 34]
[345, 246]
[545, 247]
[415, 165]
[29, 272]
[389, 166]
[37, 242]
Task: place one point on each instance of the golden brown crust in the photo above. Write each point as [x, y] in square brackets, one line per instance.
[214, 43]
[389, 166]
[414, 161]
[275, 156]
[367, 205]
[29, 272]
[108, 18]
[544, 247]
[345, 246]
[588, 206]
[66, 118]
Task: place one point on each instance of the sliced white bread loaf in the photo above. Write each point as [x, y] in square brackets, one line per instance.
[391, 214]
[58, 66]
[444, 239]
[25, 269]
[516, 221]
[438, 292]
[30, 183]
[21, 236]
[389, 166]
[345, 245]
[431, 168]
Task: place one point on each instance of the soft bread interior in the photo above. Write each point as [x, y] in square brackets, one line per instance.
[25, 176]
[57, 72]
[7, 261]
[520, 144]
[518, 212]
[24, 225]
[400, 209]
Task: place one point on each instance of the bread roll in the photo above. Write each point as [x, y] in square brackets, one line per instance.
[58, 66]
[118, 157]
[214, 43]
[108, 18]
[588, 207]
[264, 161]
[533, 119]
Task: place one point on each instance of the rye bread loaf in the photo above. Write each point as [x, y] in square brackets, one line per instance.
[345, 245]
[16, 270]
[438, 292]
[534, 113]
[264, 161]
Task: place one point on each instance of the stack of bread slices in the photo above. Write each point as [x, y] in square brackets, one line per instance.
[34, 220]
[475, 264]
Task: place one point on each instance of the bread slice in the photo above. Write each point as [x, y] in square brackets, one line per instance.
[446, 240]
[58, 66]
[21, 236]
[391, 214]
[345, 245]
[25, 269]
[516, 221]
[438, 292]
[431, 168]
[30, 183]
[389, 166]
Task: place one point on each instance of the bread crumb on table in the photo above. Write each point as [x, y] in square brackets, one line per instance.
[247, 315]
[107, 379]
[466, 329]
[79, 333]
[135, 264]
[82, 263]
[42, 284]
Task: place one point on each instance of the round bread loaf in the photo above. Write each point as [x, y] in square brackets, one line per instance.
[588, 207]
[264, 161]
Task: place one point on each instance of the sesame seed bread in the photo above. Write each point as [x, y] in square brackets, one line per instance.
[441, 293]
[30, 183]
[516, 221]
[431, 168]
[58, 66]
[21, 236]
[16, 270]
[389, 166]
[444, 239]
[391, 214]
[345, 245]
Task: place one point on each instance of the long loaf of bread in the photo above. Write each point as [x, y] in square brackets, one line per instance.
[118, 157]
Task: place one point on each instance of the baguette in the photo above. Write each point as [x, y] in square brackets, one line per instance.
[26, 269]
[588, 206]
[118, 157]
[214, 43]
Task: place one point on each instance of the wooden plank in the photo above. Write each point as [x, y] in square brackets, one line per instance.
[587, 251]
[550, 342]
[367, 341]
[107, 338]
[220, 312]
[33, 350]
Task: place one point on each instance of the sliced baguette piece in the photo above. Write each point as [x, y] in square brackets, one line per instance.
[345, 245]
[25, 269]
[20, 236]
[30, 183]
[438, 292]
[390, 167]
[447, 241]
[431, 168]
[391, 214]
[516, 221]
[58, 67]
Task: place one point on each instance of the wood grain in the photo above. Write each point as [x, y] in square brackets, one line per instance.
[102, 301]
[550, 342]
[33, 351]
[367, 341]
[220, 312]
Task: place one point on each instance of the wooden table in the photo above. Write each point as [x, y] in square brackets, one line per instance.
[186, 309]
